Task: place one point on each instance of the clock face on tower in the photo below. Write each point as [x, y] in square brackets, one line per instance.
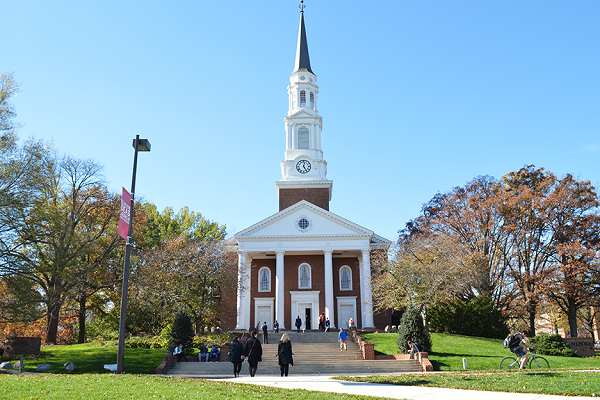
[303, 166]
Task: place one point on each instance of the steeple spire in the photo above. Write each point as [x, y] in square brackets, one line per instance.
[302, 58]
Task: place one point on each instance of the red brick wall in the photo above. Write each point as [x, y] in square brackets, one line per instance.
[353, 264]
[291, 264]
[316, 196]
[255, 267]
[229, 307]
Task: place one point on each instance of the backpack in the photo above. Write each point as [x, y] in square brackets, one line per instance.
[512, 341]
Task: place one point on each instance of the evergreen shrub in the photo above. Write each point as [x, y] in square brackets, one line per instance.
[182, 332]
[412, 328]
[476, 317]
[552, 345]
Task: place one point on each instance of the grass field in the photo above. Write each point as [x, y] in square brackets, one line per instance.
[482, 354]
[560, 383]
[109, 387]
[91, 357]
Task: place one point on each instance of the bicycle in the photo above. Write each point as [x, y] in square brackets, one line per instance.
[535, 362]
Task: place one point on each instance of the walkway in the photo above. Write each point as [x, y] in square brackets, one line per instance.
[325, 384]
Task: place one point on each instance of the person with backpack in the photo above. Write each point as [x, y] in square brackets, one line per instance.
[517, 344]
[414, 349]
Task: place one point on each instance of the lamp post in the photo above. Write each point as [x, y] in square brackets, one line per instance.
[139, 145]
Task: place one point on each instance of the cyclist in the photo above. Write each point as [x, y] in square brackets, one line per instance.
[518, 347]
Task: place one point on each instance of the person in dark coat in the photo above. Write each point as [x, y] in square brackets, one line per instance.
[253, 352]
[298, 323]
[236, 356]
[284, 352]
[265, 329]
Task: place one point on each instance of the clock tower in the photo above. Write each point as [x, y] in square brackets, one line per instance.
[303, 171]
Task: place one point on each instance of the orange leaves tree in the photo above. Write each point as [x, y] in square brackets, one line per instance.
[422, 271]
[186, 274]
[527, 239]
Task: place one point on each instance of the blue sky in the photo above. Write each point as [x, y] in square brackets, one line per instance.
[416, 97]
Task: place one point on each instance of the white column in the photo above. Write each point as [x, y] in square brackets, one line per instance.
[279, 292]
[242, 311]
[365, 283]
[248, 280]
[329, 311]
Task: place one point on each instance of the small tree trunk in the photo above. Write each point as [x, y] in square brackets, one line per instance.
[81, 319]
[572, 315]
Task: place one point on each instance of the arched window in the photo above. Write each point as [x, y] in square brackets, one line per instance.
[303, 137]
[312, 100]
[302, 98]
[264, 280]
[304, 276]
[345, 278]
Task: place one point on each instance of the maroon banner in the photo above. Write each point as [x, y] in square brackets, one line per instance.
[125, 212]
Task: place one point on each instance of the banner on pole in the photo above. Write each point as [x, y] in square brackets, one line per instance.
[125, 213]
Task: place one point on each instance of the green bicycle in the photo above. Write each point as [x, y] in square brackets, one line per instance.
[535, 362]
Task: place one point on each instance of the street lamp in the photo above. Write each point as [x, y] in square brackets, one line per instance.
[139, 145]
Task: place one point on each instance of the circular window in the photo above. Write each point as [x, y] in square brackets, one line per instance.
[302, 77]
[303, 224]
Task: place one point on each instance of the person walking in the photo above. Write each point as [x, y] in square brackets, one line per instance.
[298, 323]
[327, 325]
[276, 327]
[265, 329]
[342, 338]
[253, 352]
[236, 356]
[284, 352]
[322, 322]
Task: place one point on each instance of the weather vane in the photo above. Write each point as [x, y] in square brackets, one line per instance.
[301, 6]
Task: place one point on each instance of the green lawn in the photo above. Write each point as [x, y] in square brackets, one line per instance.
[482, 354]
[91, 357]
[561, 383]
[110, 386]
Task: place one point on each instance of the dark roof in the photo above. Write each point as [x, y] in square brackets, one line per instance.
[302, 58]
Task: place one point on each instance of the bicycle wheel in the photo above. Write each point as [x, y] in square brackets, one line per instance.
[538, 363]
[509, 363]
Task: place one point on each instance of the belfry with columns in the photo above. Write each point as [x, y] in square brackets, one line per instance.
[304, 261]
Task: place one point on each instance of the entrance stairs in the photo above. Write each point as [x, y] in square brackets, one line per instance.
[315, 353]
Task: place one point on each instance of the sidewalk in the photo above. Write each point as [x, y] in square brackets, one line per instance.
[325, 384]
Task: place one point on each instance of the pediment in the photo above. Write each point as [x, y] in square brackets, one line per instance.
[322, 224]
[304, 113]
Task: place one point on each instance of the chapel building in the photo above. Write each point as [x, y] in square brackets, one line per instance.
[304, 260]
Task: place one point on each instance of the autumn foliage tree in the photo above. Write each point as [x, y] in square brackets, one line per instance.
[527, 239]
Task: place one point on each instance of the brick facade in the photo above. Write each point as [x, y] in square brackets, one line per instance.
[316, 196]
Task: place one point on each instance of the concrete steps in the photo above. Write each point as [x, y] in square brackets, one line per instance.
[315, 353]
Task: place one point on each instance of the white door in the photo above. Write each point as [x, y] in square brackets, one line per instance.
[346, 312]
[264, 314]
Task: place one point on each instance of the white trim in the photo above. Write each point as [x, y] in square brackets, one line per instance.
[340, 277]
[259, 280]
[305, 297]
[346, 301]
[309, 276]
[264, 302]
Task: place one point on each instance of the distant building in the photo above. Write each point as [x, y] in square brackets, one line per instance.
[304, 260]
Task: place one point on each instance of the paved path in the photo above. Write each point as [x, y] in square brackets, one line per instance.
[325, 384]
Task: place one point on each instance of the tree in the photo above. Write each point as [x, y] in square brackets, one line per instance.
[576, 223]
[188, 274]
[73, 211]
[412, 328]
[422, 271]
[182, 331]
[471, 216]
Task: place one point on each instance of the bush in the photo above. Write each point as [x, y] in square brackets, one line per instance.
[552, 345]
[476, 317]
[155, 342]
[182, 332]
[411, 328]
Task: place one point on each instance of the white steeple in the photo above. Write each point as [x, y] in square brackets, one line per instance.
[304, 166]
